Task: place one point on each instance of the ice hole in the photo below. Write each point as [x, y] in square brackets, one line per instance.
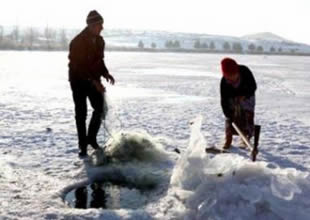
[108, 195]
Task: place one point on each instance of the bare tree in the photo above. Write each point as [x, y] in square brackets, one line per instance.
[251, 47]
[226, 46]
[1, 33]
[141, 44]
[237, 47]
[176, 44]
[197, 44]
[63, 39]
[168, 44]
[204, 45]
[173, 44]
[260, 49]
[212, 45]
[50, 36]
[15, 34]
[30, 37]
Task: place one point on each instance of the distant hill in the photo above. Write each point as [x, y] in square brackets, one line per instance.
[267, 36]
[260, 42]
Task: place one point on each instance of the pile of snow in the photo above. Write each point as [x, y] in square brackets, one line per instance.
[228, 186]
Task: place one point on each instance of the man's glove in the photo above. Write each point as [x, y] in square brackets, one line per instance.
[98, 85]
[110, 79]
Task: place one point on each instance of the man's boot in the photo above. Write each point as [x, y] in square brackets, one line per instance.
[228, 141]
[93, 129]
[81, 130]
[94, 144]
[83, 153]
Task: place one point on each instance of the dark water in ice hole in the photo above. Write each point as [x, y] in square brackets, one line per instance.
[108, 195]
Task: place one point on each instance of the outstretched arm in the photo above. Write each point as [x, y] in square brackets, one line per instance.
[107, 75]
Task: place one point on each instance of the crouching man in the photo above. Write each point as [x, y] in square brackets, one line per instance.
[237, 89]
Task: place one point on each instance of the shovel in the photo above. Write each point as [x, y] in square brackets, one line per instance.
[254, 150]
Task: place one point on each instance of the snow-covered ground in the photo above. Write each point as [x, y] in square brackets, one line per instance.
[157, 93]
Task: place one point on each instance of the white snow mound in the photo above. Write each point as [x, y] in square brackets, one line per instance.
[228, 186]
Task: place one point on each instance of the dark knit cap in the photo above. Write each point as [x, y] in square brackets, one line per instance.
[94, 17]
[229, 66]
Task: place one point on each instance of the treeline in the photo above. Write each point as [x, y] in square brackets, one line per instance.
[51, 39]
[33, 39]
[226, 47]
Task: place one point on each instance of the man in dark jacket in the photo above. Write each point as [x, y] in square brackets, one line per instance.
[86, 66]
[238, 88]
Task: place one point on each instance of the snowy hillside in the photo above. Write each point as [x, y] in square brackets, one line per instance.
[267, 36]
[131, 38]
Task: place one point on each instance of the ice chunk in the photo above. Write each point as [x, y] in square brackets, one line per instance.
[229, 186]
[283, 188]
[188, 171]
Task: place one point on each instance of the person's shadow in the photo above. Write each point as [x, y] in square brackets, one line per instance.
[282, 161]
[98, 196]
[81, 197]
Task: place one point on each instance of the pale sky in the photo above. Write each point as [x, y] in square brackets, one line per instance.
[287, 18]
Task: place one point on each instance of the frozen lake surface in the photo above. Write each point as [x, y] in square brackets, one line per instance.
[158, 93]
